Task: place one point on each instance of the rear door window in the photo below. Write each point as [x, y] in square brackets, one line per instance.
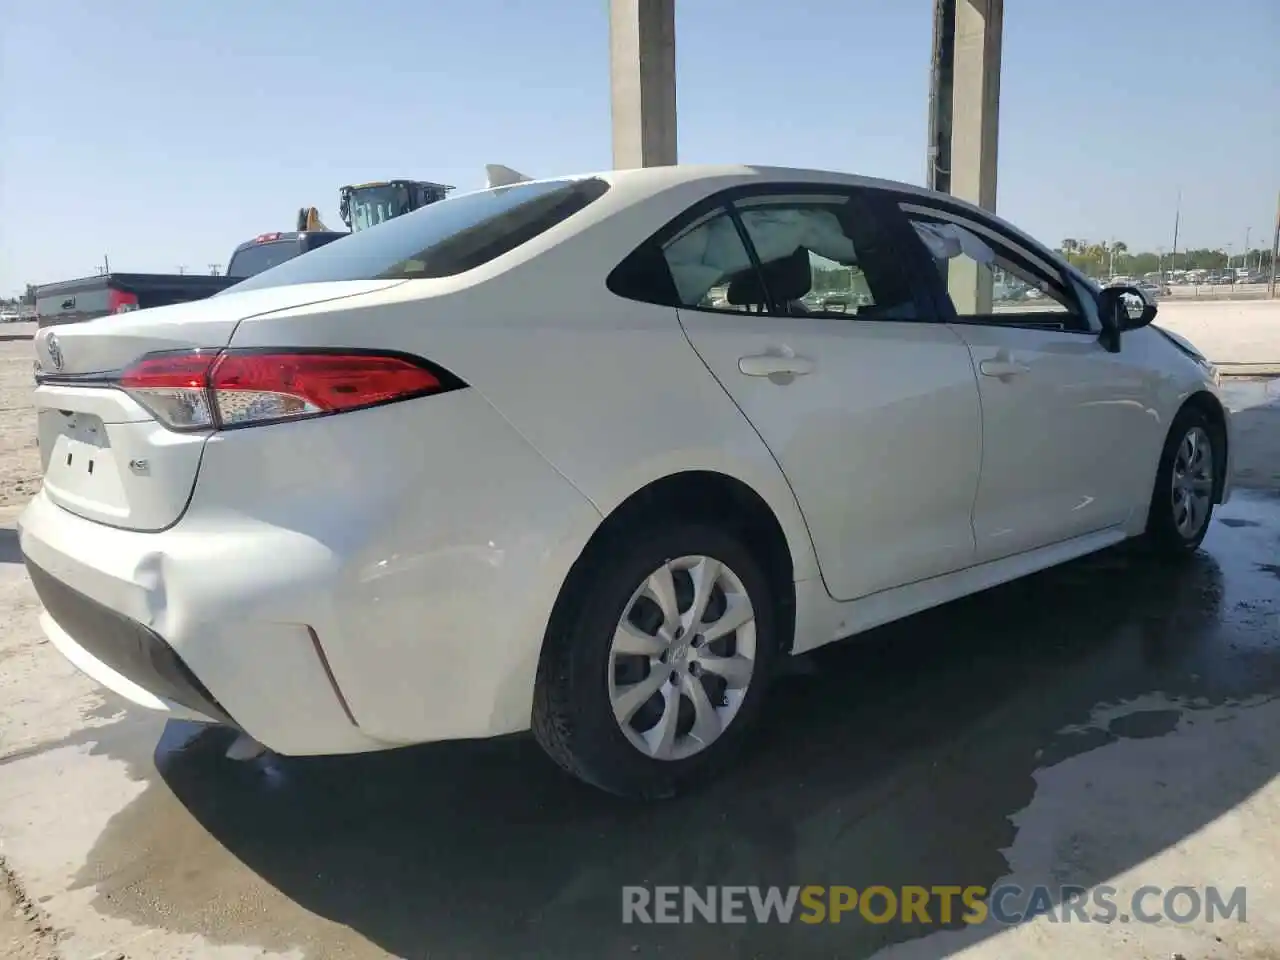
[806, 253]
[440, 240]
[824, 256]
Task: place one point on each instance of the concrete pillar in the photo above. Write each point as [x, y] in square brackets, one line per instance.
[642, 65]
[966, 124]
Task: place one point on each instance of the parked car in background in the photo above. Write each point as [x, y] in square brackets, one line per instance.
[1151, 291]
[74, 301]
[582, 456]
[271, 249]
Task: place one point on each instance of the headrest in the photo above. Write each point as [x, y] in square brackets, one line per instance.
[788, 278]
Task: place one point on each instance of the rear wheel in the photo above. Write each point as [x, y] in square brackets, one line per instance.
[659, 670]
[1182, 502]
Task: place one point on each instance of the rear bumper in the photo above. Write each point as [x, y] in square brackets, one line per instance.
[156, 619]
[110, 646]
[323, 599]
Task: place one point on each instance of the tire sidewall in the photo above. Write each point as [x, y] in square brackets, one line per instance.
[600, 745]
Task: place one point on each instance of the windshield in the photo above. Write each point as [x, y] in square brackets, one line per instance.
[441, 239]
[372, 205]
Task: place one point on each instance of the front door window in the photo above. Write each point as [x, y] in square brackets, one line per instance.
[989, 280]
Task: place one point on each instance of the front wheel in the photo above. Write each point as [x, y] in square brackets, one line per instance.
[1186, 480]
[659, 669]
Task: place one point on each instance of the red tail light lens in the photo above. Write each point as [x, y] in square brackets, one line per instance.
[201, 390]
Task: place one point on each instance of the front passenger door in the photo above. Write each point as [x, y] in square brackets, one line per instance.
[869, 407]
[1062, 417]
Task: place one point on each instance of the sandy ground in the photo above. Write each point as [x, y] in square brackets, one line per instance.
[25, 933]
[19, 456]
[23, 930]
[74, 768]
[1235, 334]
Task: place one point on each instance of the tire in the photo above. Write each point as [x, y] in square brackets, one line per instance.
[1169, 534]
[580, 676]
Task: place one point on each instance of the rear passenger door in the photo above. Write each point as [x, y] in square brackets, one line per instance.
[797, 301]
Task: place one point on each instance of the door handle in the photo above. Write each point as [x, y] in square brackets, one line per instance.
[773, 365]
[1002, 368]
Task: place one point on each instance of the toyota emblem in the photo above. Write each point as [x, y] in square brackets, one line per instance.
[55, 351]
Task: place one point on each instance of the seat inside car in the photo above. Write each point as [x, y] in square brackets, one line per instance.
[787, 279]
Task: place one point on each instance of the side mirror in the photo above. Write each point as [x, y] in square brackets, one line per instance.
[1123, 308]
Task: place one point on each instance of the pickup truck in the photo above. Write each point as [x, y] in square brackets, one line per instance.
[74, 301]
[269, 249]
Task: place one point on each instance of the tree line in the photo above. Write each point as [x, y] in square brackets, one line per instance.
[1100, 258]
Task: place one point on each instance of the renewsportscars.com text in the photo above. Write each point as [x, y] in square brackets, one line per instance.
[944, 905]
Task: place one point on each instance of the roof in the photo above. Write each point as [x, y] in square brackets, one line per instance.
[385, 183]
[632, 186]
[654, 179]
[651, 180]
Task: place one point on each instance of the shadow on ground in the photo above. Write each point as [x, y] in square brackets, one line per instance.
[895, 760]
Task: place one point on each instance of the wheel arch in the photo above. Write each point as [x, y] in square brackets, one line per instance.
[1211, 407]
[696, 495]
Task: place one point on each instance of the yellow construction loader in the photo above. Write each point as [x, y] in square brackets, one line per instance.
[364, 205]
[309, 221]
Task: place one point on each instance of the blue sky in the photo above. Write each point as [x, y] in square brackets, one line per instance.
[164, 132]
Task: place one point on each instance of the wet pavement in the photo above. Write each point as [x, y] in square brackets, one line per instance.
[1255, 406]
[900, 758]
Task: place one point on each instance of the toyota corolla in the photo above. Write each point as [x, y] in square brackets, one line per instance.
[588, 456]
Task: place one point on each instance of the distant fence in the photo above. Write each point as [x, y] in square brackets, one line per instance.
[1219, 291]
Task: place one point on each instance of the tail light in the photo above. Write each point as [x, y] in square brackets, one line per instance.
[203, 390]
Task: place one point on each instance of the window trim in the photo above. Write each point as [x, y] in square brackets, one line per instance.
[753, 255]
[1031, 257]
[878, 201]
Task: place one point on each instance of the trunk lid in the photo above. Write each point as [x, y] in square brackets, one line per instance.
[104, 456]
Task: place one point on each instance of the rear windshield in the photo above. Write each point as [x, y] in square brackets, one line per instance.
[261, 256]
[440, 240]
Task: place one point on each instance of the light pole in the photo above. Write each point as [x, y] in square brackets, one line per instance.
[1275, 252]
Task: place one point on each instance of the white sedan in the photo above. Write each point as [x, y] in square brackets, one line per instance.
[574, 456]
